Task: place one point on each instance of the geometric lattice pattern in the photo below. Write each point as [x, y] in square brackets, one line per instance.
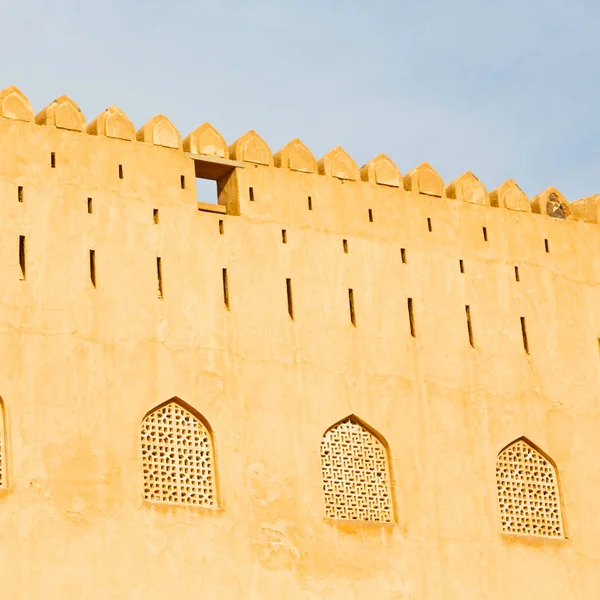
[528, 492]
[177, 458]
[356, 480]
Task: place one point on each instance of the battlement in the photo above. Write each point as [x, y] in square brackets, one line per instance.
[214, 159]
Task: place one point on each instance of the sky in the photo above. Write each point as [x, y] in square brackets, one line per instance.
[504, 89]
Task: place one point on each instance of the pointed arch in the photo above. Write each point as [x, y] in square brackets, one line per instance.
[355, 469]
[338, 163]
[206, 140]
[468, 188]
[114, 123]
[3, 452]
[62, 113]
[296, 156]
[424, 179]
[510, 195]
[15, 105]
[528, 491]
[178, 458]
[381, 170]
[552, 203]
[251, 148]
[161, 132]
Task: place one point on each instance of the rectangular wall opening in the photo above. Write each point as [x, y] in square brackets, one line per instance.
[461, 265]
[120, 171]
[469, 326]
[20, 193]
[403, 255]
[159, 277]
[284, 236]
[251, 194]
[90, 206]
[290, 304]
[429, 224]
[547, 245]
[517, 278]
[22, 257]
[206, 191]
[370, 216]
[524, 334]
[155, 216]
[221, 227]
[93, 267]
[53, 160]
[411, 318]
[352, 311]
[345, 246]
[485, 234]
[182, 181]
[225, 289]
[309, 203]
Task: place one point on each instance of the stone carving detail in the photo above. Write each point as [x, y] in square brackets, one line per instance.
[177, 457]
[528, 492]
[62, 113]
[510, 195]
[468, 188]
[296, 156]
[356, 479]
[251, 148]
[340, 164]
[206, 140]
[114, 123]
[160, 132]
[552, 203]
[424, 179]
[15, 105]
[381, 170]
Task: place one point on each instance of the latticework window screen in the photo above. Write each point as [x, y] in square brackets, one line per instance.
[356, 478]
[177, 457]
[528, 492]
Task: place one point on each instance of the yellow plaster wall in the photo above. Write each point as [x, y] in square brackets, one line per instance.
[82, 366]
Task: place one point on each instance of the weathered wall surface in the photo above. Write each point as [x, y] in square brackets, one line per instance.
[82, 366]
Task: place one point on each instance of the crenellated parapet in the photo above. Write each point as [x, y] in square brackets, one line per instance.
[206, 141]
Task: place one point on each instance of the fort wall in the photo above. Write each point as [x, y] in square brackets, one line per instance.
[84, 362]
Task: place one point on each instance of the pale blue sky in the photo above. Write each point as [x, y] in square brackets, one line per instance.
[505, 89]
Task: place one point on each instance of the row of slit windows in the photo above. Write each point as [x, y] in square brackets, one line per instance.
[179, 467]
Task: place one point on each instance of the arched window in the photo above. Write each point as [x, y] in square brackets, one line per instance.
[528, 492]
[356, 476]
[178, 456]
[3, 480]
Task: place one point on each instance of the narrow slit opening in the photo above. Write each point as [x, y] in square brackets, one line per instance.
[120, 171]
[429, 224]
[182, 182]
[370, 216]
[461, 265]
[251, 194]
[53, 160]
[403, 255]
[547, 245]
[411, 318]
[221, 227]
[469, 326]
[517, 277]
[290, 304]
[93, 267]
[90, 206]
[155, 216]
[309, 203]
[225, 289]
[22, 256]
[524, 333]
[352, 310]
[485, 239]
[159, 277]
[20, 193]
[345, 246]
[284, 236]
